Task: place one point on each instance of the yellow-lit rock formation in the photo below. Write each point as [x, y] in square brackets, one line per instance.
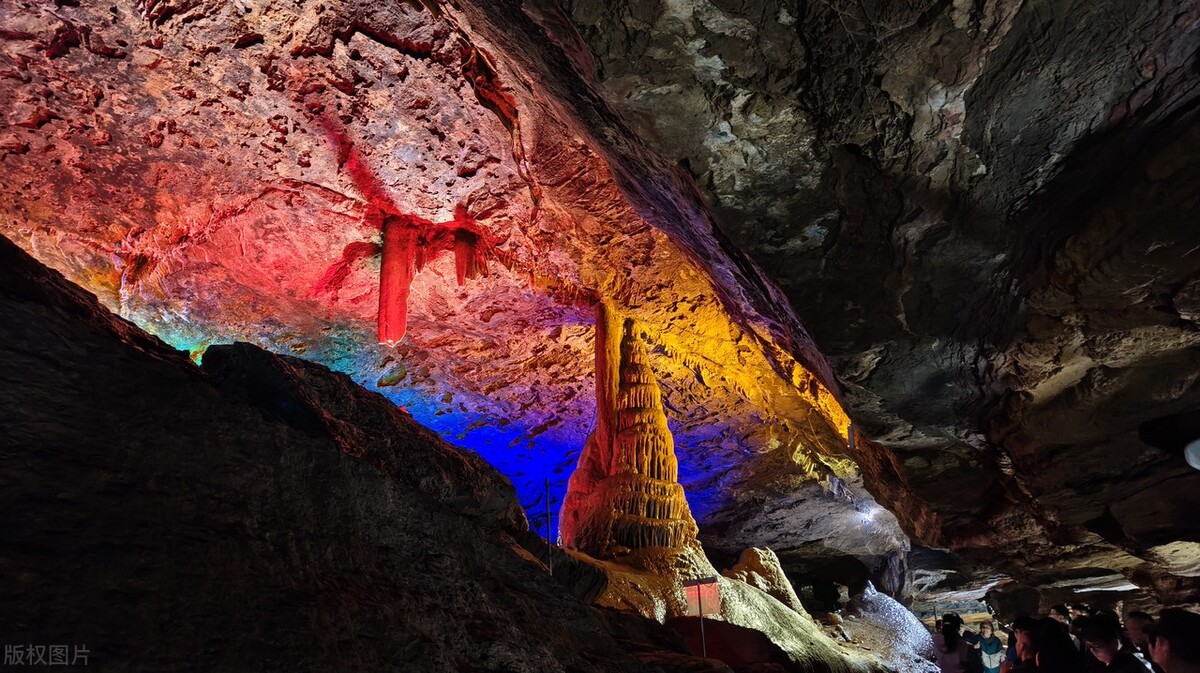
[625, 493]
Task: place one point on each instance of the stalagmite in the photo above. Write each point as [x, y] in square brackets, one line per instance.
[624, 494]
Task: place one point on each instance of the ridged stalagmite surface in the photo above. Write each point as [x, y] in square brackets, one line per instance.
[625, 493]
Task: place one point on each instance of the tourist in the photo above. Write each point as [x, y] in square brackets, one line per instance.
[1056, 652]
[1111, 615]
[1010, 653]
[1139, 626]
[972, 640]
[1025, 647]
[991, 650]
[1101, 635]
[1061, 614]
[1175, 643]
[953, 653]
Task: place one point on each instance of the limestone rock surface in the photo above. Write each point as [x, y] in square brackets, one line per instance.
[220, 172]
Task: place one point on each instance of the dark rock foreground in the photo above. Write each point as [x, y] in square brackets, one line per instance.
[171, 517]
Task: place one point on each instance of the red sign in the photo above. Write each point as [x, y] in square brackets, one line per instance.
[703, 597]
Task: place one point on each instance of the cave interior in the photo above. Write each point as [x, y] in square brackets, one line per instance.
[488, 334]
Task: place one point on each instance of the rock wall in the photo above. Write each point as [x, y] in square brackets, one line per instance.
[223, 172]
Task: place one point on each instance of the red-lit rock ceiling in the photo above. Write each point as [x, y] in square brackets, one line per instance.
[980, 211]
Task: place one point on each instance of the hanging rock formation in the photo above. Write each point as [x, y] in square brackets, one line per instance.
[396, 271]
[409, 243]
[625, 493]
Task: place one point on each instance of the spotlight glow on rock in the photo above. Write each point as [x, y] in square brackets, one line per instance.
[1191, 453]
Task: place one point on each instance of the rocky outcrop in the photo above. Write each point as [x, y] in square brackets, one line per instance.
[369, 427]
[261, 509]
[760, 569]
[625, 494]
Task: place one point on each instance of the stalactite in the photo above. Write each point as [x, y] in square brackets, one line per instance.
[466, 256]
[409, 243]
[396, 272]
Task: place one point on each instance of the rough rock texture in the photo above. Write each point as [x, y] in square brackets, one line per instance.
[264, 512]
[654, 589]
[741, 648]
[825, 529]
[228, 171]
[944, 582]
[981, 211]
[984, 214]
[878, 623]
[760, 569]
[625, 495]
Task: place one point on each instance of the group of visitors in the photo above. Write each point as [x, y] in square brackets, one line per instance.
[962, 650]
[1073, 640]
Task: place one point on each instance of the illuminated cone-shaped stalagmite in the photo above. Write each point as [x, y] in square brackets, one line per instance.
[625, 493]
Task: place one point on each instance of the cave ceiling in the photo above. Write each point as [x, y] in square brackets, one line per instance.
[970, 225]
